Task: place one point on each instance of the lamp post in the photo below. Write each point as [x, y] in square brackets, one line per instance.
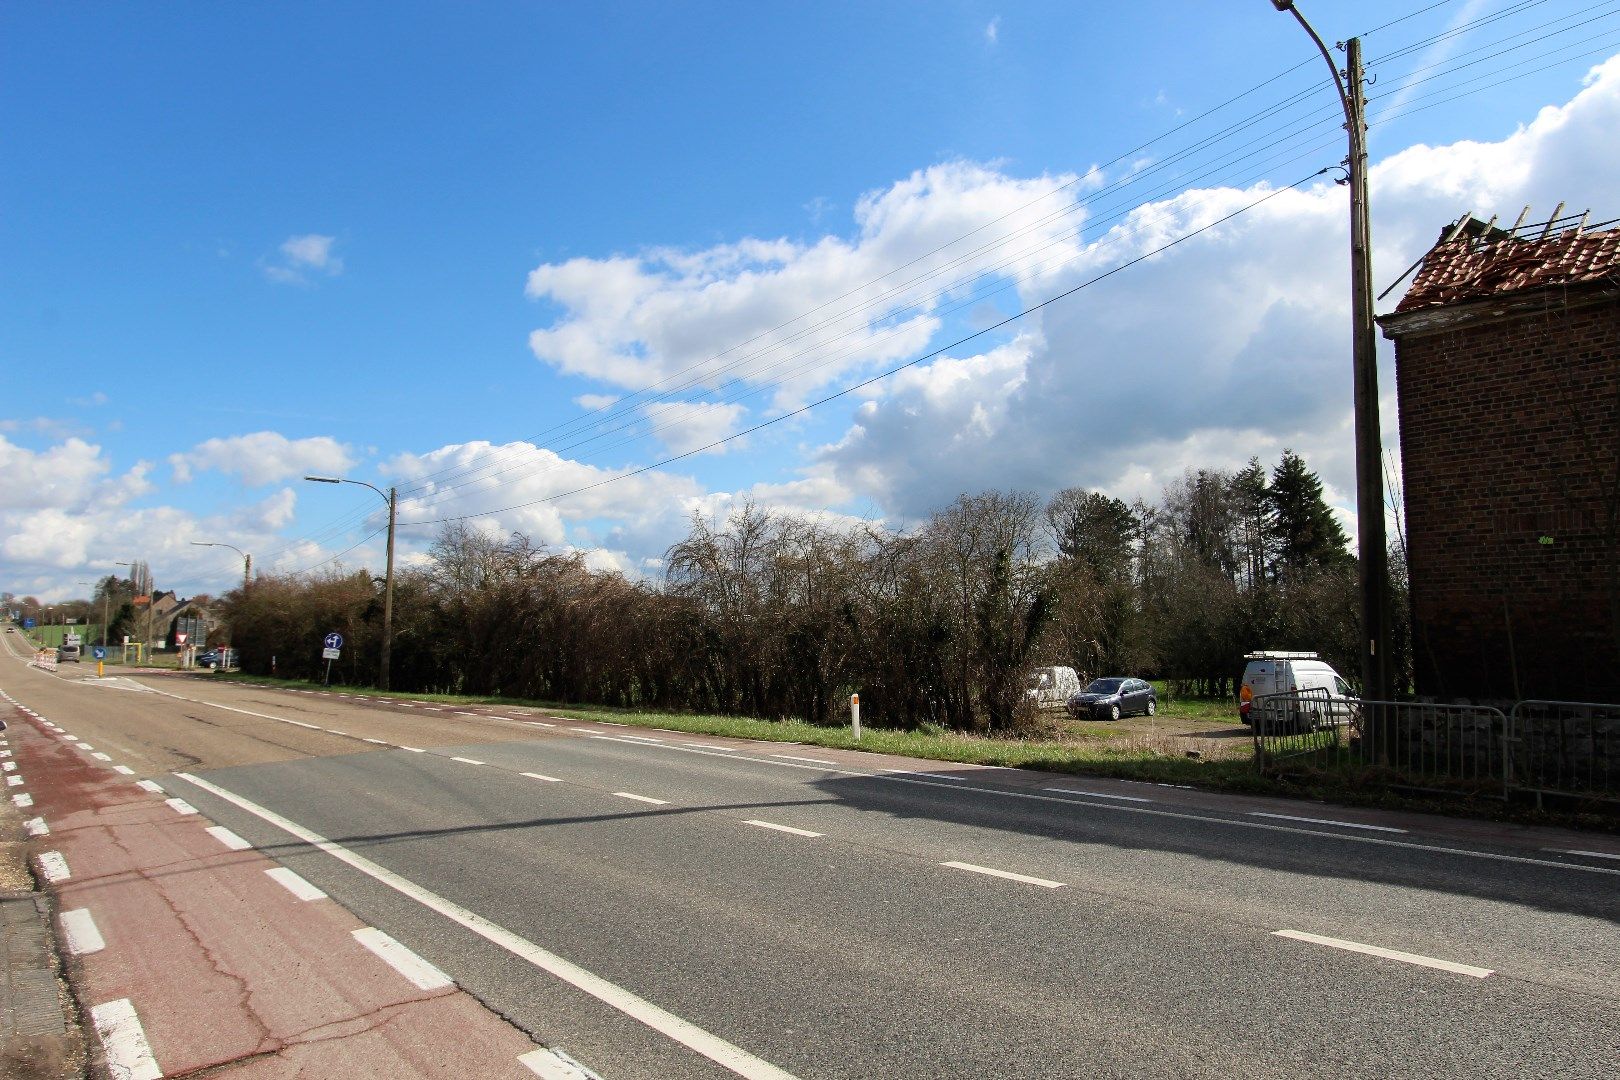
[247, 560]
[391, 498]
[1370, 535]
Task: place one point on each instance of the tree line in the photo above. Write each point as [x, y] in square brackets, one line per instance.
[771, 615]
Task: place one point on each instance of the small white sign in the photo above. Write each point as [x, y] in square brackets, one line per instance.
[329, 654]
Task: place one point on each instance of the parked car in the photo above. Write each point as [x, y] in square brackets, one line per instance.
[1320, 693]
[209, 659]
[1112, 698]
[1052, 687]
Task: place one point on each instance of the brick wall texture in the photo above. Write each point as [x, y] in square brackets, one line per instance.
[1510, 448]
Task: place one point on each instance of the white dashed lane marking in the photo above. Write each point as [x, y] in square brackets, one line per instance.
[1387, 954]
[129, 1055]
[423, 974]
[228, 838]
[180, 806]
[469, 761]
[782, 828]
[79, 930]
[1009, 875]
[543, 776]
[641, 798]
[294, 884]
[54, 866]
[148, 785]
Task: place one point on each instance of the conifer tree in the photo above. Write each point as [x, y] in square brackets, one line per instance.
[1304, 530]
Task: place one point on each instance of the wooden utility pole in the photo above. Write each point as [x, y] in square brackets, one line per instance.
[1371, 538]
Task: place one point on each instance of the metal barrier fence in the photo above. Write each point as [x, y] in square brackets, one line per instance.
[1461, 746]
[1564, 748]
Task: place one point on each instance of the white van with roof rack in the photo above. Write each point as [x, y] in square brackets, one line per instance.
[1272, 672]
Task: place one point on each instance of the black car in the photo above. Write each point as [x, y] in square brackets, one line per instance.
[209, 659]
[1110, 699]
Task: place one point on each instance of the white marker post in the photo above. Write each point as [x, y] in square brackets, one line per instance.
[855, 715]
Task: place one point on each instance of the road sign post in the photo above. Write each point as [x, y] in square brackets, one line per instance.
[855, 715]
[332, 647]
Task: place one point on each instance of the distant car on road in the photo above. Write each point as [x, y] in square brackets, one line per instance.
[1112, 698]
[67, 654]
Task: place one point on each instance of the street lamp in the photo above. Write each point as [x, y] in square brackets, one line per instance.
[104, 608]
[391, 498]
[1370, 533]
[247, 560]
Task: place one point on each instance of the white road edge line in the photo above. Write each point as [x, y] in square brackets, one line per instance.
[1325, 821]
[543, 776]
[1042, 882]
[1387, 954]
[641, 798]
[1097, 794]
[666, 1023]
[781, 828]
[79, 930]
[294, 884]
[129, 1055]
[1588, 854]
[228, 838]
[421, 973]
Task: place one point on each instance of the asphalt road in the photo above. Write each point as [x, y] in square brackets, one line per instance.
[654, 901]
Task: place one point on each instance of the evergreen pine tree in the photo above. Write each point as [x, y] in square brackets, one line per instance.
[1304, 530]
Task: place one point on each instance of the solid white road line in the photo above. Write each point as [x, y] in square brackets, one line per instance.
[711, 746]
[181, 807]
[641, 798]
[129, 1055]
[228, 838]
[1042, 882]
[37, 827]
[294, 884]
[469, 761]
[1097, 794]
[812, 760]
[80, 932]
[781, 828]
[54, 866]
[687, 1034]
[402, 960]
[555, 1065]
[1387, 954]
[543, 776]
[1326, 821]
[1588, 854]
[148, 785]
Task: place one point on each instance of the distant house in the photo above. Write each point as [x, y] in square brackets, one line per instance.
[1507, 352]
[172, 615]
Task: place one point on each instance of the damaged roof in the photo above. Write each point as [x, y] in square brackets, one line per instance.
[1472, 267]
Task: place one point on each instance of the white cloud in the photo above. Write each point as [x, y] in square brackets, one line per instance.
[685, 426]
[301, 256]
[992, 30]
[264, 457]
[800, 316]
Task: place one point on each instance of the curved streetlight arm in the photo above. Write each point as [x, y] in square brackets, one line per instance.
[233, 547]
[1338, 76]
[345, 480]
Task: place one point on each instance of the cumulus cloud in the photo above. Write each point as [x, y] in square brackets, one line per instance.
[992, 30]
[794, 317]
[685, 426]
[264, 457]
[300, 257]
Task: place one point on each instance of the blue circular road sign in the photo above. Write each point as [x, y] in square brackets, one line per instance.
[334, 641]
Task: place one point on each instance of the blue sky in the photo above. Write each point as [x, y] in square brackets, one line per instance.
[246, 241]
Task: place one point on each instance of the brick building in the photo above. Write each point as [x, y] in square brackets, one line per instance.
[1507, 354]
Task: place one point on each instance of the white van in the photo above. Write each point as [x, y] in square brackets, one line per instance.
[1290, 673]
[1052, 687]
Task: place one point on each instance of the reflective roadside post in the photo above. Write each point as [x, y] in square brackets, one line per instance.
[855, 715]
